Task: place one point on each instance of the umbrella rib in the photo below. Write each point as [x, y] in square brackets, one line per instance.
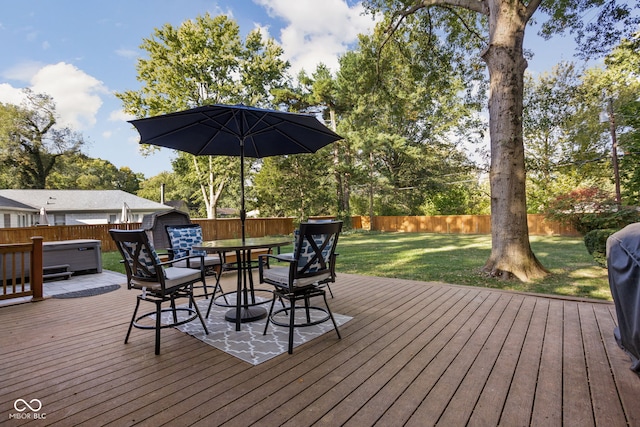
[276, 127]
[224, 127]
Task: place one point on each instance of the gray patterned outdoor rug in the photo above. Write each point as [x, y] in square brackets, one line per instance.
[249, 344]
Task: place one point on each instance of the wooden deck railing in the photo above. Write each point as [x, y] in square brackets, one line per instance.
[21, 270]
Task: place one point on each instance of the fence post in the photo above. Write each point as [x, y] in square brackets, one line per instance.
[36, 268]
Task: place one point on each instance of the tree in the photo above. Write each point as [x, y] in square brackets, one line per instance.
[205, 61]
[615, 89]
[320, 94]
[501, 25]
[30, 142]
[402, 110]
[554, 165]
[85, 173]
[295, 185]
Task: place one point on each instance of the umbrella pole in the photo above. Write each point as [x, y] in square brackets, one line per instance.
[243, 213]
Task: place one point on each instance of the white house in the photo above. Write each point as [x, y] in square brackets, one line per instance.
[23, 208]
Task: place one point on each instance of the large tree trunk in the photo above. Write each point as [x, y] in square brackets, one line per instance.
[511, 253]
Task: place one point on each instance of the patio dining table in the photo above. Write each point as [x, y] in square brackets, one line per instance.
[247, 307]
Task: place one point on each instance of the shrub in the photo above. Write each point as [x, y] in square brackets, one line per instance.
[596, 243]
[589, 209]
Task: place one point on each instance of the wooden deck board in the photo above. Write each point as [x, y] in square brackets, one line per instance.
[489, 379]
[413, 354]
[518, 385]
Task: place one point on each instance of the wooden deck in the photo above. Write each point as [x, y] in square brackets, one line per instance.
[415, 354]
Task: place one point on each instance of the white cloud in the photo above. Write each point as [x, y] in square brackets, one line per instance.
[10, 95]
[77, 95]
[120, 116]
[23, 71]
[317, 31]
[127, 53]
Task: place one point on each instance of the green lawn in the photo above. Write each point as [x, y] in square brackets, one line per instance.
[457, 259]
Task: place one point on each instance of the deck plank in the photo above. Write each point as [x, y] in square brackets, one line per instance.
[485, 391]
[576, 396]
[512, 383]
[414, 353]
[547, 405]
[411, 383]
[606, 405]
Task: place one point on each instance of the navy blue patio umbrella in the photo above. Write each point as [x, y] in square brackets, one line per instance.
[236, 130]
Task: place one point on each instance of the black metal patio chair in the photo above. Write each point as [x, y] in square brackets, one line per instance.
[182, 239]
[310, 267]
[158, 281]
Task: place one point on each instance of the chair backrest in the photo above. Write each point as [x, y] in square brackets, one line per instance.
[183, 237]
[140, 258]
[315, 247]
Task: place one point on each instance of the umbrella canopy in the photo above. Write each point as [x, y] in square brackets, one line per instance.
[236, 130]
[44, 218]
[125, 213]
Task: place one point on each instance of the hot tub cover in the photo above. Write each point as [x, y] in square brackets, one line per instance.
[623, 261]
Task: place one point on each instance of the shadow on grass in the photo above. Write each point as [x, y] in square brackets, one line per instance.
[458, 259]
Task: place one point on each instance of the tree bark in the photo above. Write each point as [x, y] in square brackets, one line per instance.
[511, 254]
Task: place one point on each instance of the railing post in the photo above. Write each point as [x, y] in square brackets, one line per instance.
[36, 268]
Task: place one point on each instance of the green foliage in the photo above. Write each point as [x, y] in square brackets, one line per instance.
[401, 106]
[80, 172]
[30, 142]
[623, 72]
[204, 61]
[596, 243]
[589, 209]
[296, 185]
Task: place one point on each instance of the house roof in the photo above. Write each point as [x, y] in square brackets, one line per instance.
[15, 205]
[78, 200]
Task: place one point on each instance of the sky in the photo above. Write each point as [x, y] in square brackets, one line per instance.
[82, 52]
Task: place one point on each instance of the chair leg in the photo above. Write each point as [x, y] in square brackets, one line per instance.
[266, 325]
[158, 316]
[206, 331]
[133, 319]
[292, 317]
[173, 307]
[335, 325]
[329, 287]
[306, 306]
[204, 287]
[218, 286]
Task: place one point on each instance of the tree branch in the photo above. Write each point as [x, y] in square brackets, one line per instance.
[464, 23]
[531, 9]
[479, 6]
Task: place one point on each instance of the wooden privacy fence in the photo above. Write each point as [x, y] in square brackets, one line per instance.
[462, 224]
[21, 270]
[257, 227]
[211, 229]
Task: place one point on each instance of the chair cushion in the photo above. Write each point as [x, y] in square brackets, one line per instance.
[175, 276]
[147, 259]
[281, 275]
[183, 239]
[307, 253]
[195, 262]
